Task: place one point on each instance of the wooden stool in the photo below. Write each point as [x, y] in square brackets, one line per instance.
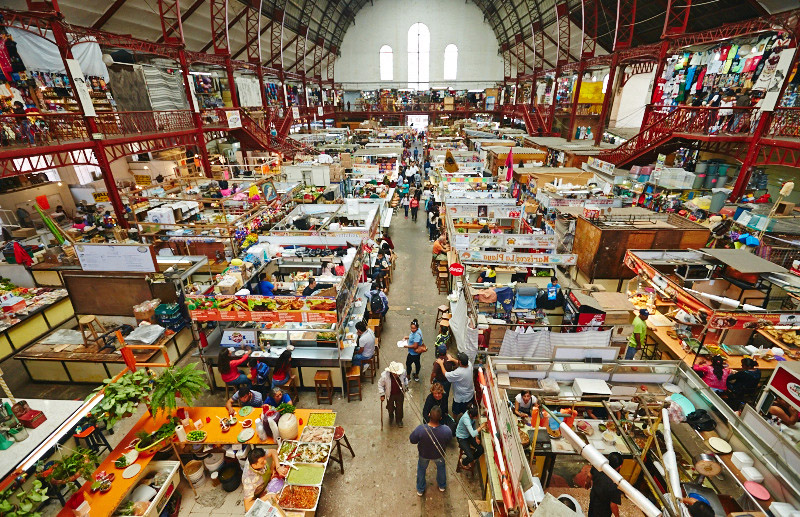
[338, 436]
[375, 326]
[372, 371]
[377, 353]
[228, 389]
[353, 380]
[434, 264]
[323, 385]
[94, 439]
[442, 282]
[444, 326]
[89, 324]
[291, 387]
[442, 309]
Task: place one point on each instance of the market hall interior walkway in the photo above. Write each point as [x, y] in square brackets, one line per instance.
[380, 480]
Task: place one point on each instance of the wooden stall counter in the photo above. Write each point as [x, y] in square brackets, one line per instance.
[34, 325]
[103, 505]
[74, 363]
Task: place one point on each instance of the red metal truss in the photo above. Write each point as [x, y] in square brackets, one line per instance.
[157, 143]
[773, 155]
[82, 34]
[637, 68]
[276, 41]
[589, 19]
[677, 18]
[626, 17]
[31, 23]
[171, 24]
[43, 162]
[316, 69]
[300, 51]
[331, 63]
[221, 36]
[519, 52]
[640, 53]
[563, 25]
[506, 53]
[252, 31]
[538, 45]
[787, 21]
[209, 59]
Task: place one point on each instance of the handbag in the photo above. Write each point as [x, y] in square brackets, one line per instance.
[700, 420]
[421, 349]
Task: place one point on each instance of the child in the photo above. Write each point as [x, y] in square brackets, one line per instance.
[394, 381]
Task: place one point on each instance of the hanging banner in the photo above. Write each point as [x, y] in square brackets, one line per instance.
[277, 309]
[782, 70]
[81, 87]
[487, 211]
[516, 259]
[475, 241]
[234, 119]
[599, 164]
[591, 93]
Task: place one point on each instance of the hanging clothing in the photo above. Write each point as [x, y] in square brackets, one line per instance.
[16, 62]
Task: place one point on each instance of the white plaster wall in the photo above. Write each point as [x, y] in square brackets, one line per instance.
[386, 22]
[635, 96]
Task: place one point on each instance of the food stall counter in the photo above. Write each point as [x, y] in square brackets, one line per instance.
[37, 322]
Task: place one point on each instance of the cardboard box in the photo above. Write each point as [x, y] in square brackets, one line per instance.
[346, 160]
[22, 233]
[784, 208]
[618, 309]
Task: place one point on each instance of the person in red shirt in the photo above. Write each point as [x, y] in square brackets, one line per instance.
[228, 368]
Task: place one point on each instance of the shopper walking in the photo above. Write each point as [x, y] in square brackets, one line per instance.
[414, 203]
[433, 223]
[393, 383]
[431, 439]
[415, 347]
[461, 381]
[405, 202]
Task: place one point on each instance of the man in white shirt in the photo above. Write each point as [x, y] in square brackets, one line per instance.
[461, 384]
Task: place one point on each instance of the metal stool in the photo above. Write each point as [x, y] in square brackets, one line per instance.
[353, 380]
[338, 436]
[89, 327]
[94, 439]
[323, 385]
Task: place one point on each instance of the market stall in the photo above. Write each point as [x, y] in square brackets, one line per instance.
[523, 157]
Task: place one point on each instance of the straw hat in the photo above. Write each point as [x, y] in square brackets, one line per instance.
[396, 368]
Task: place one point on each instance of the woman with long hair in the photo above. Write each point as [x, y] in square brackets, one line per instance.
[415, 206]
[415, 348]
[715, 374]
[283, 369]
[229, 368]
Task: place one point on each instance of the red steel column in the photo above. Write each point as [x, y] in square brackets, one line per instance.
[608, 98]
[576, 91]
[662, 60]
[198, 121]
[60, 36]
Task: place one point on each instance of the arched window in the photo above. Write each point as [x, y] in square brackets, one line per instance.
[450, 62]
[419, 49]
[387, 63]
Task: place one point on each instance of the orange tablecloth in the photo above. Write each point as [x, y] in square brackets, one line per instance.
[103, 505]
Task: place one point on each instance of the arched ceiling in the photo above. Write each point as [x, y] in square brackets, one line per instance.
[331, 19]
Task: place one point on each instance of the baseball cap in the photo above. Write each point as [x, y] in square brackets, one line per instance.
[644, 312]
[441, 350]
[462, 358]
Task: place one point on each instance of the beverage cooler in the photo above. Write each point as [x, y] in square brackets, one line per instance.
[581, 313]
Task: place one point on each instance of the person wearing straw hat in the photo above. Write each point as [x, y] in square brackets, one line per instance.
[394, 382]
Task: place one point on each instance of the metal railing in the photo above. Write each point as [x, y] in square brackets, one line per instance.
[785, 123]
[41, 129]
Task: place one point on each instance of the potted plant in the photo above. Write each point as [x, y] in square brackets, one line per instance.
[121, 398]
[28, 501]
[150, 443]
[80, 463]
[186, 382]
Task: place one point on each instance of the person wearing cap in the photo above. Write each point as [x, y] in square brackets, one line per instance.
[438, 371]
[639, 336]
[463, 385]
[394, 382]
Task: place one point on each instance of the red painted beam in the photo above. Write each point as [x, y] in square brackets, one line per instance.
[263, 30]
[302, 60]
[275, 59]
[195, 6]
[555, 43]
[113, 8]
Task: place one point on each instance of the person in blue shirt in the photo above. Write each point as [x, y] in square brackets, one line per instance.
[278, 397]
[414, 346]
[552, 288]
[265, 287]
[467, 436]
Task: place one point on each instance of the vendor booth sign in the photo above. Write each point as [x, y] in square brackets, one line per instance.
[488, 211]
[787, 385]
[503, 240]
[516, 259]
[274, 309]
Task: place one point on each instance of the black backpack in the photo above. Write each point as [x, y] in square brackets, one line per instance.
[375, 303]
[700, 419]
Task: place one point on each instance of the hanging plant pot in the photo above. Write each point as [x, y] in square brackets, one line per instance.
[151, 449]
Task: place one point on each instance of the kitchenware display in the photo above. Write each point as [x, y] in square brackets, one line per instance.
[757, 490]
[245, 411]
[131, 471]
[720, 445]
[706, 465]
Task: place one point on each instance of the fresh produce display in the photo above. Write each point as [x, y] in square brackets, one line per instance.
[306, 475]
[326, 336]
[317, 434]
[32, 298]
[286, 450]
[196, 436]
[298, 497]
[322, 419]
[312, 453]
[284, 408]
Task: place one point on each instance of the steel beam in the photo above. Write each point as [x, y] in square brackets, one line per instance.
[280, 55]
[250, 42]
[563, 24]
[626, 17]
[276, 42]
[170, 11]
[252, 32]
[112, 9]
[589, 21]
[677, 18]
[608, 99]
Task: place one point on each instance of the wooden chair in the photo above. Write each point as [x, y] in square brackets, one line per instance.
[291, 387]
[323, 386]
[353, 380]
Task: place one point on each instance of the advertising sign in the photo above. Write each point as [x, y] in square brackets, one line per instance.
[277, 309]
[516, 259]
[234, 119]
[142, 179]
[787, 384]
[485, 211]
[505, 240]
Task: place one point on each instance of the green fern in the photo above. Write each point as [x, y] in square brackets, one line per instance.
[187, 380]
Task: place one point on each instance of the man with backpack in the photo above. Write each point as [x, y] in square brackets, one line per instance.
[378, 302]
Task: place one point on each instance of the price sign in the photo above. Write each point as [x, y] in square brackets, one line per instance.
[100, 197]
[456, 269]
[142, 179]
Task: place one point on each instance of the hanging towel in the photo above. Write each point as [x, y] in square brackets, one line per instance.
[505, 295]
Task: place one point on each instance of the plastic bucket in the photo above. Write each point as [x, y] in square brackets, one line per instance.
[721, 181]
[214, 461]
[711, 178]
[230, 476]
[701, 167]
[718, 200]
[194, 472]
[699, 180]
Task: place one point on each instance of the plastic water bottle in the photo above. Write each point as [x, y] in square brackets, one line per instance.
[262, 434]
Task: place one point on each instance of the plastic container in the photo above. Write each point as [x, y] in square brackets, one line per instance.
[718, 198]
[741, 460]
[287, 427]
[711, 177]
[752, 474]
[18, 433]
[215, 479]
[195, 473]
[231, 477]
[699, 178]
[214, 461]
